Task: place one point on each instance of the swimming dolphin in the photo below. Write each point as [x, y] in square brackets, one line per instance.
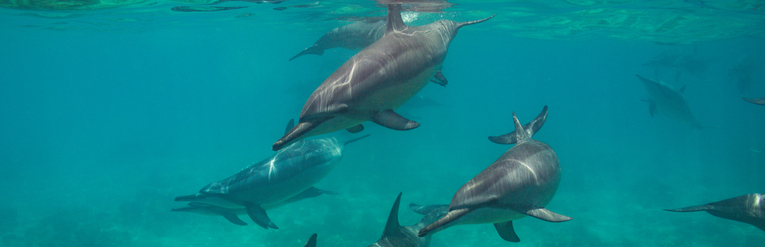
[311, 241]
[520, 183]
[396, 235]
[377, 80]
[760, 101]
[668, 100]
[231, 213]
[749, 209]
[356, 36]
[268, 183]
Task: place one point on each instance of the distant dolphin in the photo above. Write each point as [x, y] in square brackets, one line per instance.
[520, 183]
[668, 100]
[396, 235]
[377, 80]
[231, 213]
[311, 241]
[760, 101]
[270, 182]
[356, 36]
[749, 209]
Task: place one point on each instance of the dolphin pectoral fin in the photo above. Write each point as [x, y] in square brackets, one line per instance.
[652, 108]
[439, 79]
[546, 215]
[392, 120]
[311, 241]
[506, 231]
[259, 216]
[355, 129]
[234, 219]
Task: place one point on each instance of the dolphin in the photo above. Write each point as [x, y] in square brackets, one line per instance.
[396, 235]
[270, 182]
[311, 241]
[231, 213]
[760, 101]
[668, 100]
[749, 209]
[356, 36]
[377, 80]
[520, 183]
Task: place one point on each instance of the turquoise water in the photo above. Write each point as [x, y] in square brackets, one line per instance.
[109, 114]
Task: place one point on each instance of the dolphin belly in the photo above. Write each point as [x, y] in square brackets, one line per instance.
[392, 97]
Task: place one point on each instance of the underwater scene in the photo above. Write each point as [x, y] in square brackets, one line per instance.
[345, 123]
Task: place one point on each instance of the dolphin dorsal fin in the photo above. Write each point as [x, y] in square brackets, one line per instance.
[395, 23]
[682, 89]
[520, 133]
[311, 241]
[290, 125]
[392, 228]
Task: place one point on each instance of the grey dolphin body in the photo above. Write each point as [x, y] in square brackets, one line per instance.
[760, 101]
[749, 209]
[377, 80]
[668, 100]
[396, 235]
[354, 36]
[272, 181]
[520, 183]
[231, 213]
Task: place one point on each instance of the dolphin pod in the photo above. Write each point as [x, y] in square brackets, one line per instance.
[377, 80]
[520, 183]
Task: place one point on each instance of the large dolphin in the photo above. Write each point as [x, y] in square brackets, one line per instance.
[356, 36]
[377, 80]
[760, 101]
[749, 209]
[668, 100]
[520, 183]
[270, 182]
[231, 213]
[396, 235]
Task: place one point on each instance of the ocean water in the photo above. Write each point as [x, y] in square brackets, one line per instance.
[109, 110]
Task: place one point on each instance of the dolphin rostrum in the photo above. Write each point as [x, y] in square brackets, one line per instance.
[270, 182]
[760, 101]
[377, 80]
[749, 209]
[668, 100]
[520, 183]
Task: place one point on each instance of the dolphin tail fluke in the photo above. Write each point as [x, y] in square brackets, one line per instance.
[392, 227]
[392, 120]
[691, 208]
[506, 231]
[311, 241]
[296, 133]
[356, 139]
[259, 216]
[547, 215]
[462, 24]
[188, 198]
[231, 217]
[530, 128]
